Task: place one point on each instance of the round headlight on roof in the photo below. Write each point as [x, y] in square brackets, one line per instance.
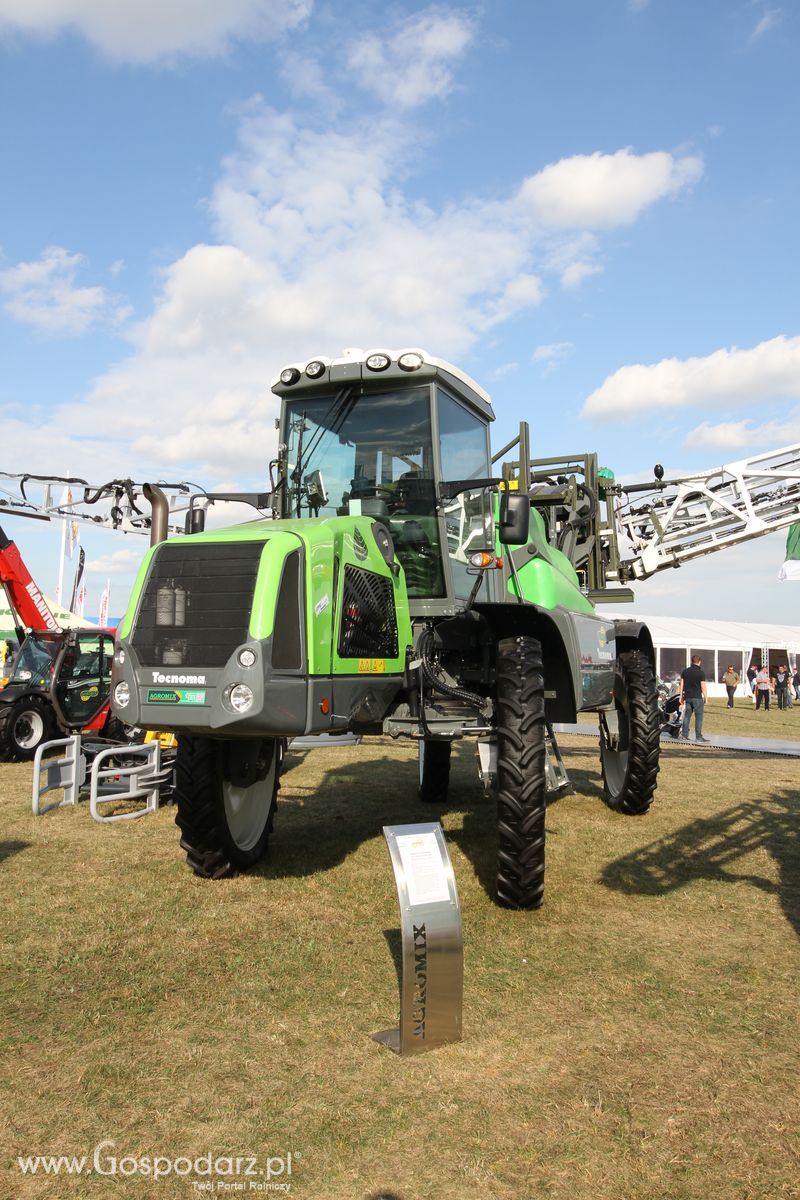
[290, 375]
[410, 362]
[315, 368]
[378, 362]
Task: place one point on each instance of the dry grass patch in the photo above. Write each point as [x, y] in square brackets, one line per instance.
[635, 1038]
[742, 720]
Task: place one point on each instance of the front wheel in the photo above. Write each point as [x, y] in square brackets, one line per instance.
[630, 737]
[521, 785]
[225, 814]
[24, 725]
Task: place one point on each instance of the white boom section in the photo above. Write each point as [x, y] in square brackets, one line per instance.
[685, 518]
[116, 504]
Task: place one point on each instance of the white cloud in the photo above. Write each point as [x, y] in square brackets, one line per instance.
[727, 377]
[43, 294]
[504, 369]
[552, 354]
[144, 31]
[120, 562]
[596, 191]
[413, 65]
[317, 246]
[745, 435]
[574, 275]
[771, 18]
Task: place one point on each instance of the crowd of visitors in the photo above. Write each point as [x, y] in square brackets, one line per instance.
[690, 693]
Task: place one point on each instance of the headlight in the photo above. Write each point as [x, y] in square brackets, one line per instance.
[378, 362]
[120, 657]
[122, 695]
[240, 697]
[315, 368]
[410, 362]
[290, 375]
[246, 657]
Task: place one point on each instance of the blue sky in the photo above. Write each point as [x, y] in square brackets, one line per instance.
[589, 205]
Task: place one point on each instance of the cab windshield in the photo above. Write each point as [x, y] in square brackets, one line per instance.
[35, 661]
[372, 454]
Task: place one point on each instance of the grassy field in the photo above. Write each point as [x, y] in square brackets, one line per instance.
[743, 721]
[635, 1039]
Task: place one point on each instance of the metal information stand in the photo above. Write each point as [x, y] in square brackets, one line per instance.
[432, 977]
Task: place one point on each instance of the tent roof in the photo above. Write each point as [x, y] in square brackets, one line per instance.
[700, 634]
[65, 618]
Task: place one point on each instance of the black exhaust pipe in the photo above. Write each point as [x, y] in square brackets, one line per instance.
[159, 521]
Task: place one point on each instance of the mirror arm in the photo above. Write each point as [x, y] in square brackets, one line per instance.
[449, 489]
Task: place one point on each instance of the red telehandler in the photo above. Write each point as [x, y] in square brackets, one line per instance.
[78, 660]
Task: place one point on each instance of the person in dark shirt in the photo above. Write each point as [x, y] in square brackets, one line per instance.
[693, 696]
[782, 686]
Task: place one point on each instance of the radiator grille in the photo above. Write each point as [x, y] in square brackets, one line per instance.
[369, 623]
[196, 604]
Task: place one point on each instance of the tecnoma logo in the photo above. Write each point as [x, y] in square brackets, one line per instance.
[159, 678]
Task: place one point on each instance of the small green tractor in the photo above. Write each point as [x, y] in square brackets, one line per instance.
[406, 583]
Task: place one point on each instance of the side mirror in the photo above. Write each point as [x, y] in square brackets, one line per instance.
[515, 519]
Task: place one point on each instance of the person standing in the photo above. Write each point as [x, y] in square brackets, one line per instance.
[796, 683]
[731, 681]
[693, 696]
[763, 687]
[782, 685]
[751, 679]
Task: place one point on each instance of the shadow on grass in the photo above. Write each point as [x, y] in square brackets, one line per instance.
[710, 848]
[8, 849]
[318, 827]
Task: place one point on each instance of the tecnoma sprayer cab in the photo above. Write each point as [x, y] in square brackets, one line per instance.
[403, 584]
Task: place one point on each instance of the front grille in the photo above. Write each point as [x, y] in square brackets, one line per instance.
[369, 623]
[195, 609]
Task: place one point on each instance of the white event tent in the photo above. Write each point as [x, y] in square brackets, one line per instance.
[719, 644]
[65, 618]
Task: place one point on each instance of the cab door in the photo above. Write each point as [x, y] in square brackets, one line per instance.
[82, 677]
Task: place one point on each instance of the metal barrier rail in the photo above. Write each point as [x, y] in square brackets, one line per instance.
[143, 781]
[67, 774]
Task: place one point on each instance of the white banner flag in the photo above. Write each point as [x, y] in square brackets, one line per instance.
[105, 600]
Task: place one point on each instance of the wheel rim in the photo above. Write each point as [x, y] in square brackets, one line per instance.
[28, 729]
[247, 809]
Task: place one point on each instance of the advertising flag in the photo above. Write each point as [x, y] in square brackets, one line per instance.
[791, 567]
[78, 578]
[105, 600]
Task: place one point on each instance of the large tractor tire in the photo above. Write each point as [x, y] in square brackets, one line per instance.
[434, 770]
[630, 737]
[224, 827]
[24, 725]
[521, 784]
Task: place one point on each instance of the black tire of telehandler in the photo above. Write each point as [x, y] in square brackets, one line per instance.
[521, 783]
[435, 775]
[630, 776]
[24, 725]
[206, 834]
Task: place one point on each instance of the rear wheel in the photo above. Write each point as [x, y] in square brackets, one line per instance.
[225, 813]
[521, 791]
[24, 725]
[434, 771]
[630, 737]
